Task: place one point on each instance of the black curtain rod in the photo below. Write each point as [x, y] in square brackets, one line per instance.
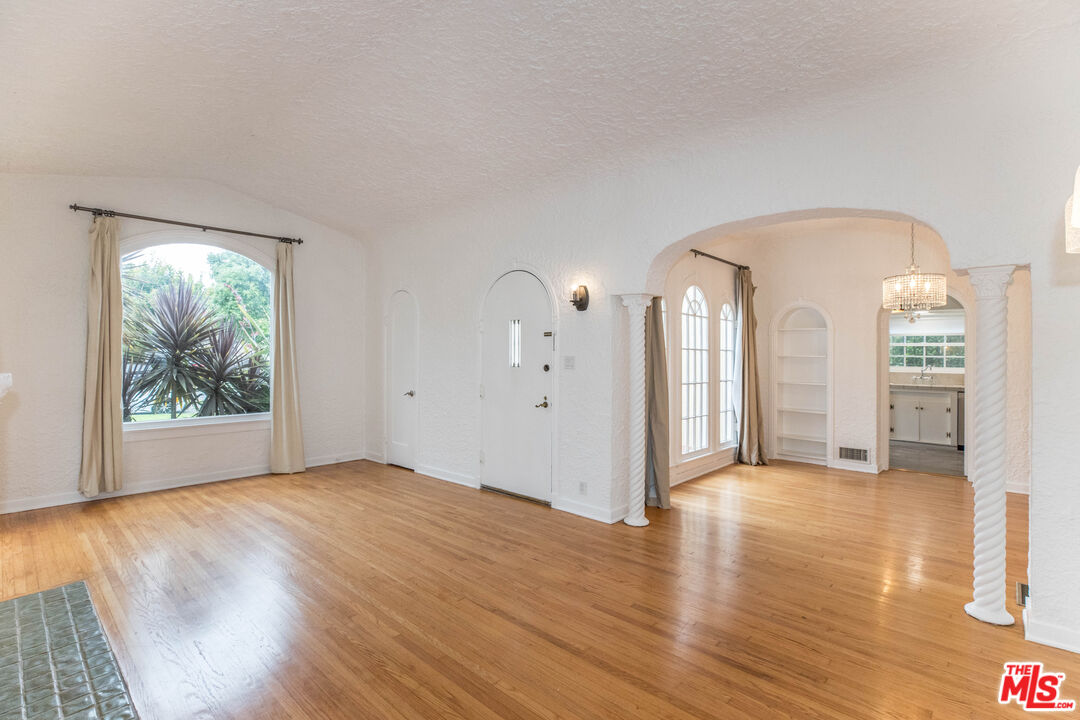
[113, 213]
[719, 259]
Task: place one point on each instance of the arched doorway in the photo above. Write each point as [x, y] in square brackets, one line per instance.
[925, 359]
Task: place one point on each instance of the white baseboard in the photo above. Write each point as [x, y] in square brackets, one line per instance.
[69, 498]
[74, 496]
[592, 512]
[375, 457]
[693, 469]
[1020, 488]
[853, 466]
[332, 459]
[448, 476]
[1052, 635]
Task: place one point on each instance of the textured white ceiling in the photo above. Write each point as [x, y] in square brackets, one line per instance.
[361, 113]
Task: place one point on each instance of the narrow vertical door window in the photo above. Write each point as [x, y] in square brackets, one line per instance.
[515, 343]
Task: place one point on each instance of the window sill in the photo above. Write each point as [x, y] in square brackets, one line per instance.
[192, 427]
[704, 453]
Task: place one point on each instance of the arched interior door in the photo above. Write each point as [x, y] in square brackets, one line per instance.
[401, 379]
[518, 355]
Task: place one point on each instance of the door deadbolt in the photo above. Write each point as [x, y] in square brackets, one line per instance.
[546, 367]
[543, 404]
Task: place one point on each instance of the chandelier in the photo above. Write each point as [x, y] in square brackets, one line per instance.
[913, 291]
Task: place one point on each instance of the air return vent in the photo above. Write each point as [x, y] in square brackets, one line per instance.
[856, 454]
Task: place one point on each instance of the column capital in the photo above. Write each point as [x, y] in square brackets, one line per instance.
[636, 300]
[992, 281]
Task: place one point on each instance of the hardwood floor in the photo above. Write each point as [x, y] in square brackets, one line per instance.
[359, 590]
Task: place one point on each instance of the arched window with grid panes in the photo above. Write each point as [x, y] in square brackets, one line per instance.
[725, 408]
[695, 371]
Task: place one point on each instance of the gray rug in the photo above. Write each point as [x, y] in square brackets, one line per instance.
[55, 662]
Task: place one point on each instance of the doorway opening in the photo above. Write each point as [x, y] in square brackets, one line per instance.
[927, 359]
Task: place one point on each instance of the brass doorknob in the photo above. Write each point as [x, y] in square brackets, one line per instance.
[543, 404]
[411, 393]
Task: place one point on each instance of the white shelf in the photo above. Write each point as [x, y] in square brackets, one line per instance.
[803, 438]
[801, 410]
[808, 411]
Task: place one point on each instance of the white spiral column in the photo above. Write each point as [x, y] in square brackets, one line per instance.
[635, 307]
[991, 325]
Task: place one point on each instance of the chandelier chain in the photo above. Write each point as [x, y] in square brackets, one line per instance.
[912, 243]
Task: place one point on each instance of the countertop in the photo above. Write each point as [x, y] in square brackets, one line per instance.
[950, 388]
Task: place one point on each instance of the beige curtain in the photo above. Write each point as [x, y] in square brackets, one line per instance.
[751, 450]
[657, 481]
[286, 431]
[102, 442]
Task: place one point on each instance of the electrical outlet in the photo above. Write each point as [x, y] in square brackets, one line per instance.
[583, 487]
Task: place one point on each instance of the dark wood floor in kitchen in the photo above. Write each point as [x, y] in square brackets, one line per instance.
[927, 458]
[360, 590]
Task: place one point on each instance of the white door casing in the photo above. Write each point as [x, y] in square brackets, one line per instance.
[517, 365]
[401, 374]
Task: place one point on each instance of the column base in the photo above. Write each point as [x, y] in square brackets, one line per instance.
[636, 521]
[994, 616]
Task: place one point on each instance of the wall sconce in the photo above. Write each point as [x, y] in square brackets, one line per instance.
[579, 298]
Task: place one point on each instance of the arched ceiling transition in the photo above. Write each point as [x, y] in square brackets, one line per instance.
[362, 113]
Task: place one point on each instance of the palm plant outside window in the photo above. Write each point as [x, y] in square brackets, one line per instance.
[196, 333]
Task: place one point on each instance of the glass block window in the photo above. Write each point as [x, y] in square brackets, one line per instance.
[939, 352]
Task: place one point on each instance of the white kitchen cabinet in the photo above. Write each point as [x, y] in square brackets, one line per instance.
[904, 416]
[926, 416]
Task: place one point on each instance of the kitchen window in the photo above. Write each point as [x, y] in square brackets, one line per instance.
[943, 353]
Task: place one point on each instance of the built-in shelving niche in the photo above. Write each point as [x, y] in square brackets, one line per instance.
[801, 398]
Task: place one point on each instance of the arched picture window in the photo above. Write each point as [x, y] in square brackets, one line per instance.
[695, 371]
[726, 399]
[196, 333]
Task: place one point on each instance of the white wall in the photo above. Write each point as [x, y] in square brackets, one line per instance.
[948, 322]
[449, 269]
[43, 280]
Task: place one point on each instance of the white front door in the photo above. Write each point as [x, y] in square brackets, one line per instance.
[518, 354]
[401, 379]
